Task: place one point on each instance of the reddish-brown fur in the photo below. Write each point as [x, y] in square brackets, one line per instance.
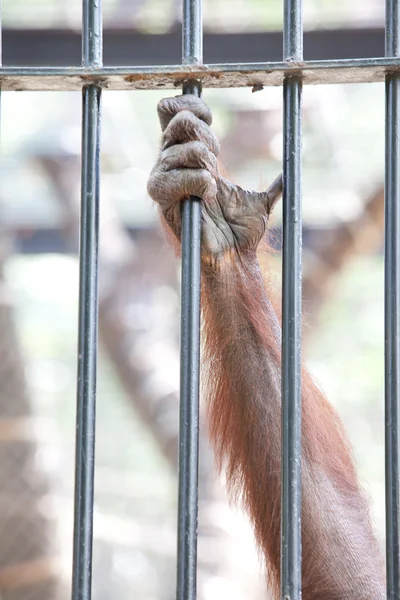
[242, 383]
[242, 374]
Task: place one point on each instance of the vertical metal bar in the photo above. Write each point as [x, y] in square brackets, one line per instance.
[1, 53]
[392, 306]
[192, 34]
[291, 311]
[88, 308]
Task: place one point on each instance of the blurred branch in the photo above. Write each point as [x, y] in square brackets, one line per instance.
[28, 568]
[361, 237]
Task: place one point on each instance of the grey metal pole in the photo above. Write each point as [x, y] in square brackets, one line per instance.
[291, 310]
[190, 342]
[88, 308]
[392, 306]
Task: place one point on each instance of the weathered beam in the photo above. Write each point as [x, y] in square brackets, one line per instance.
[255, 75]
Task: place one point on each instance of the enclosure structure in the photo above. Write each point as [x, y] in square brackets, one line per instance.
[192, 76]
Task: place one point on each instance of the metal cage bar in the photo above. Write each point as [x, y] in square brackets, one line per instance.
[191, 75]
[291, 310]
[392, 305]
[88, 308]
[192, 54]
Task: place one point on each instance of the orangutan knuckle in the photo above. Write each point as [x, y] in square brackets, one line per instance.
[179, 128]
[186, 119]
[206, 159]
[213, 144]
[169, 156]
[166, 106]
[208, 184]
[198, 152]
[162, 186]
[155, 185]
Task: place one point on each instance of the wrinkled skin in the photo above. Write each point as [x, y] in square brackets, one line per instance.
[232, 218]
[241, 376]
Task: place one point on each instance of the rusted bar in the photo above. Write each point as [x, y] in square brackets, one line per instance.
[227, 75]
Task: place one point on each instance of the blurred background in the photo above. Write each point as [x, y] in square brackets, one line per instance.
[137, 425]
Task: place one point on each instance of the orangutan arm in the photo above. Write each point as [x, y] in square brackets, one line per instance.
[341, 559]
[242, 373]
